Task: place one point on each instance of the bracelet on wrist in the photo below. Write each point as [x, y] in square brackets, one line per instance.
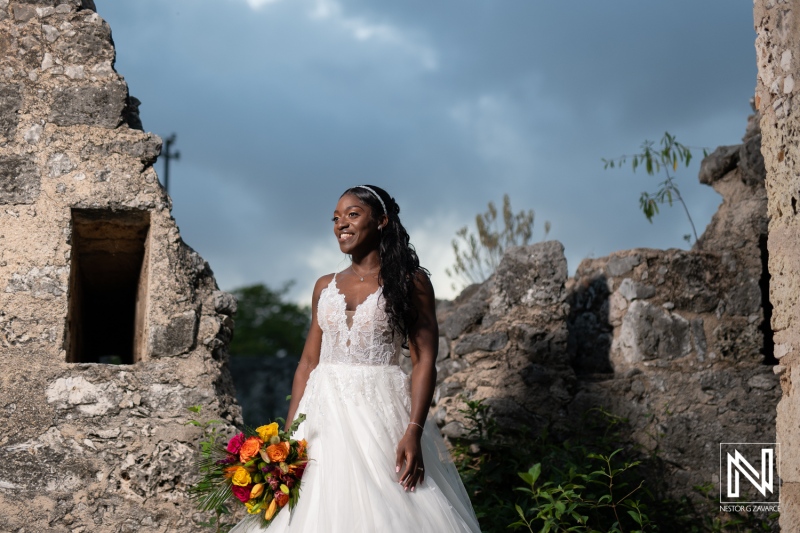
[420, 425]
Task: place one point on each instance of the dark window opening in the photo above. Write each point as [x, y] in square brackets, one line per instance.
[108, 286]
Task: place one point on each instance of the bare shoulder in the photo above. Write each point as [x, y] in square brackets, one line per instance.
[321, 283]
[423, 285]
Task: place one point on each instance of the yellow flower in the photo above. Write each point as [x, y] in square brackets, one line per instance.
[241, 477]
[270, 512]
[268, 431]
[252, 507]
[257, 490]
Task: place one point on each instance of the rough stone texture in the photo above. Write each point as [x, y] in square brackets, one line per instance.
[10, 103]
[96, 106]
[676, 341]
[516, 335]
[89, 446]
[777, 53]
[20, 181]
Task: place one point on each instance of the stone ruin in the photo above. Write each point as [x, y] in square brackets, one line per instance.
[777, 25]
[678, 342]
[110, 325]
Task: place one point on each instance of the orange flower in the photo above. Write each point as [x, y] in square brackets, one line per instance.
[229, 470]
[250, 448]
[301, 447]
[270, 512]
[278, 452]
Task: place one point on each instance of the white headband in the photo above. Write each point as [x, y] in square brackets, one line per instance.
[378, 196]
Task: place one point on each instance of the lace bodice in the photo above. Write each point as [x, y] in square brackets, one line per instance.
[368, 341]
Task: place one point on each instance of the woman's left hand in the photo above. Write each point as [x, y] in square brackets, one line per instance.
[409, 451]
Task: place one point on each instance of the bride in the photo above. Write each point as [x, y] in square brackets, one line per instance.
[377, 464]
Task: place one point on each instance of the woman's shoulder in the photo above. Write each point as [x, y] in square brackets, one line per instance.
[422, 282]
[319, 286]
[323, 282]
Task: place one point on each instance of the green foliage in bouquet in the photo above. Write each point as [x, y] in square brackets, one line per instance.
[260, 468]
[214, 495]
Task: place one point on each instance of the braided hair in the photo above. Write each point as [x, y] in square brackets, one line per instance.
[398, 260]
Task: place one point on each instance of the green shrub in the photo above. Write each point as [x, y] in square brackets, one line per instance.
[590, 482]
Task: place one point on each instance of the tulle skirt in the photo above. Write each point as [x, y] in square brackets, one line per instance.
[355, 416]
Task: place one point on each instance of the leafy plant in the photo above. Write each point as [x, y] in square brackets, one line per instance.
[478, 254]
[574, 507]
[666, 157]
[575, 485]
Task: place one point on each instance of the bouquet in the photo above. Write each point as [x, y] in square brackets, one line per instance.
[259, 468]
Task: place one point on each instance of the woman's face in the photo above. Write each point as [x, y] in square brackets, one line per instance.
[354, 226]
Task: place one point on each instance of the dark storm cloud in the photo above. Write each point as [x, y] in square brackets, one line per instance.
[446, 104]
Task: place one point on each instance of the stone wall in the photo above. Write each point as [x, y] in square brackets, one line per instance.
[778, 57]
[676, 341]
[93, 271]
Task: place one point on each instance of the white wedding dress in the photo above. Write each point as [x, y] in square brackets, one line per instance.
[357, 404]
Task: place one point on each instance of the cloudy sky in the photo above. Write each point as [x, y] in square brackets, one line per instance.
[279, 105]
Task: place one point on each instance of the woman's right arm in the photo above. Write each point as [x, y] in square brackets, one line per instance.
[310, 357]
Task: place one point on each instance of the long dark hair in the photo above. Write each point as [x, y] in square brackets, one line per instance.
[399, 261]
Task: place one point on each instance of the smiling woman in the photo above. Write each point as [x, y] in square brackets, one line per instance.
[376, 462]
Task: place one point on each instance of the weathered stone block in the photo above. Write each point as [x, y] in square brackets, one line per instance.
[59, 164]
[445, 389]
[444, 349]
[464, 317]
[632, 290]
[448, 367]
[650, 332]
[619, 266]
[94, 106]
[718, 163]
[146, 150]
[224, 303]
[490, 342]
[20, 181]
[74, 4]
[175, 338]
[90, 46]
[23, 13]
[46, 283]
[10, 103]
[87, 398]
[751, 162]
[533, 275]
[454, 430]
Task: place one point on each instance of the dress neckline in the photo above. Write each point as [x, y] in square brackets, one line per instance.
[344, 300]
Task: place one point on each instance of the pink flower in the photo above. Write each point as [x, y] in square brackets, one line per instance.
[243, 493]
[235, 443]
